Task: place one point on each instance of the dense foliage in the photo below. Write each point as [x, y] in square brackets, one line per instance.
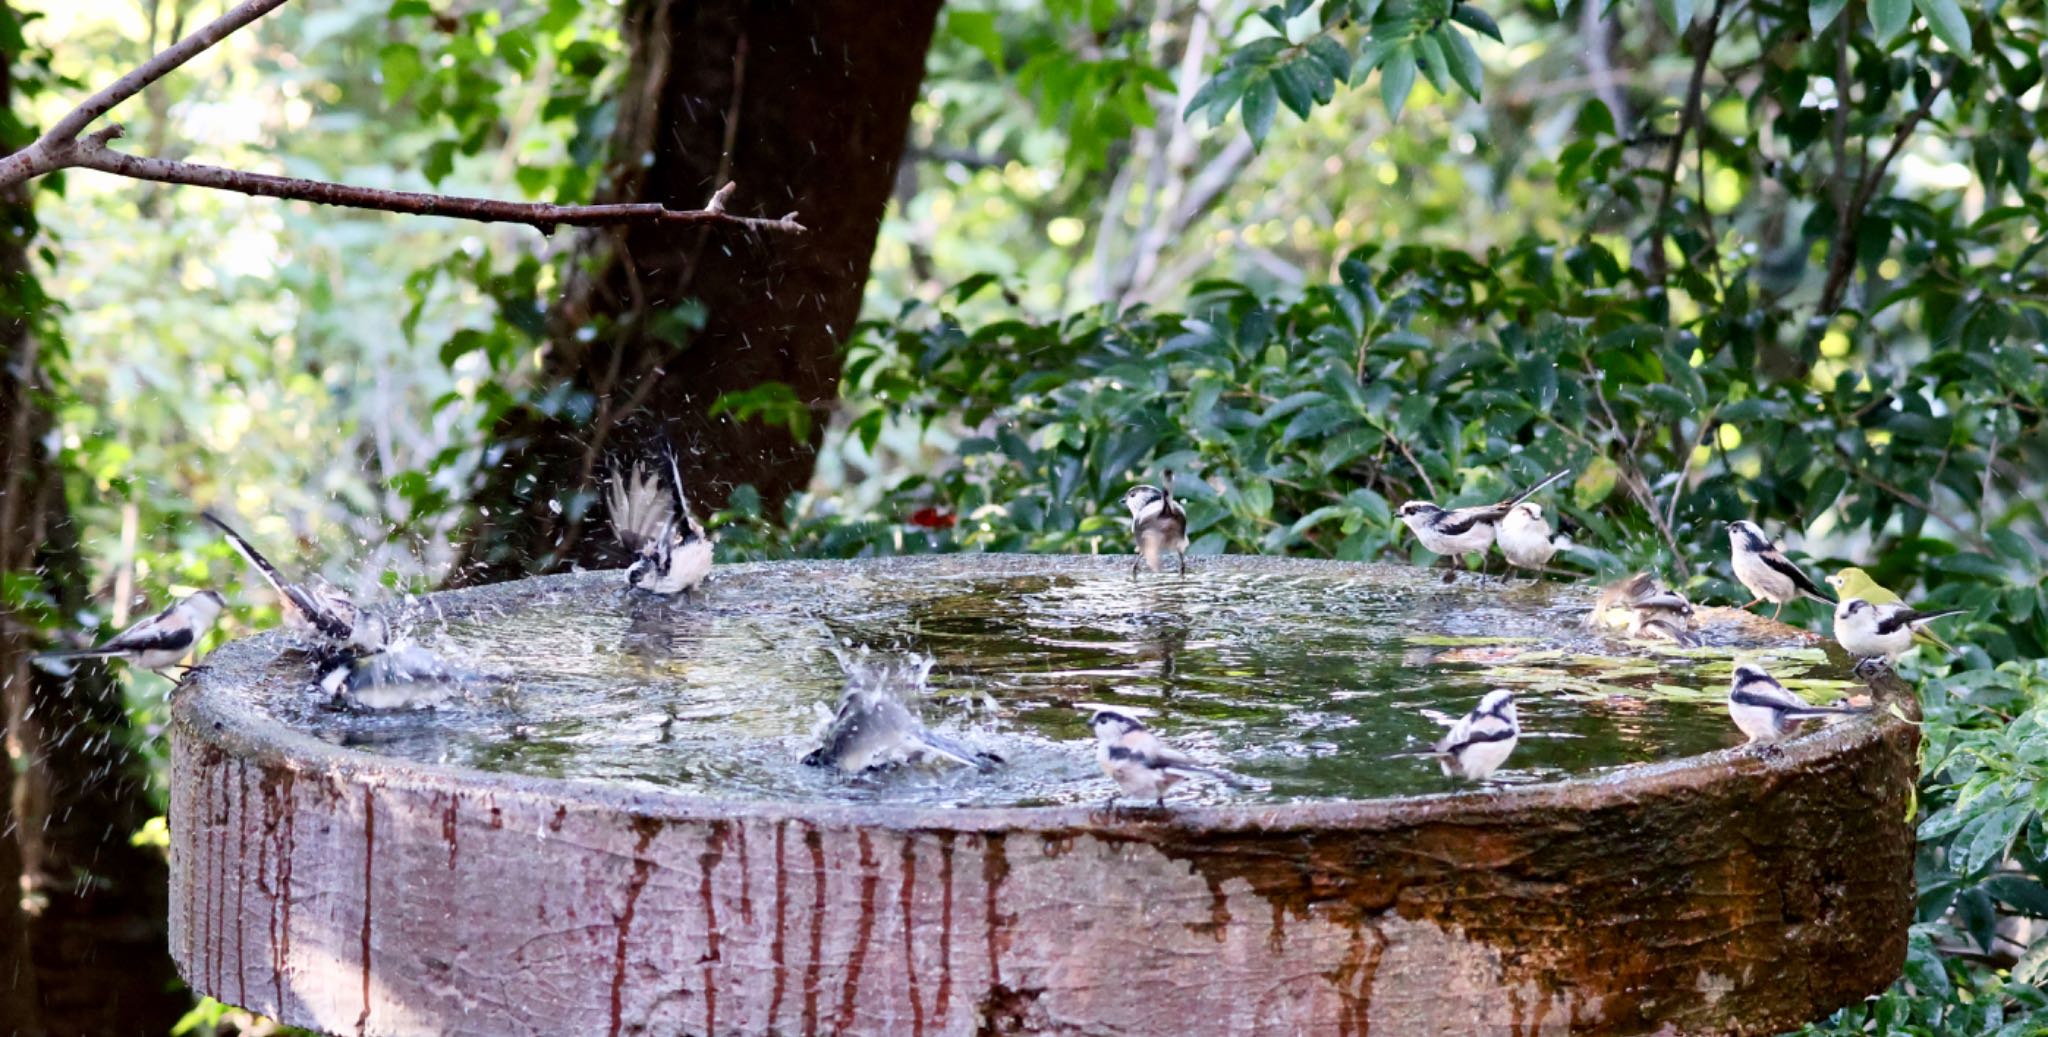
[1753, 258]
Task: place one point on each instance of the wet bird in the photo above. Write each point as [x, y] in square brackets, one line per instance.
[153, 644]
[1766, 710]
[1870, 631]
[1142, 766]
[1461, 531]
[321, 611]
[1763, 568]
[873, 730]
[672, 554]
[1855, 583]
[1159, 525]
[1526, 539]
[1647, 609]
[405, 676]
[1481, 740]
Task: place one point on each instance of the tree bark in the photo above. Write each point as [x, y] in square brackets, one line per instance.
[97, 945]
[806, 105]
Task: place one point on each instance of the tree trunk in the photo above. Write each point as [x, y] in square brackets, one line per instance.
[98, 942]
[805, 105]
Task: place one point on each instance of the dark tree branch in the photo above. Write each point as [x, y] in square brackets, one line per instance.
[91, 152]
[1688, 117]
[1842, 253]
[62, 148]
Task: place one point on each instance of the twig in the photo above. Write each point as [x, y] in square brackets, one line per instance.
[1417, 465]
[1842, 254]
[1687, 118]
[91, 153]
[1912, 500]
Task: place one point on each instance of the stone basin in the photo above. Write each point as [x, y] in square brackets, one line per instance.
[1739, 891]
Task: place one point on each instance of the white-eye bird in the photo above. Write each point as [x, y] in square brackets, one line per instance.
[318, 610]
[154, 643]
[1526, 539]
[1763, 568]
[672, 554]
[1855, 583]
[1647, 609]
[1159, 526]
[1766, 710]
[1481, 740]
[1869, 631]
[1142, 766]
[1461, 531]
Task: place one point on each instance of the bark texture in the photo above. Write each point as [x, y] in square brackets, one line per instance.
[92, 958]
[1742, 892]
[805, 105]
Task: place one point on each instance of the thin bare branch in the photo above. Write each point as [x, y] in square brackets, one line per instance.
[1704, 36]
[91, 152]
[1842, 252]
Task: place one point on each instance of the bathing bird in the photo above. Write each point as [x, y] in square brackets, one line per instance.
[1142, 766]
[153, 644]
[1526, 539]
[874, 730]
[1461, 531]
[672, 554]
[1855, 583]
[404, 676]
[1763, 568]
[1870, 631]
[1481, 740]
[320, 611]
[1647, 609]
[1766, 710]
[1159, 525]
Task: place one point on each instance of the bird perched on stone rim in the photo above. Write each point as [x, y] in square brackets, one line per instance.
[155, 643]
[317, 609]
[1869, 631]
[1458, 532]
[1526, 539]
[651, 517]
[1855, 583]
[1766, 710]
[1159, 525]
[1763, 568]
[1143, 766]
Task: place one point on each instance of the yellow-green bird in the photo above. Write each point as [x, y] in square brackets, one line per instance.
[1855, 583]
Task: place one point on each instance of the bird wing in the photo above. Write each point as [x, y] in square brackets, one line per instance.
[162, 632]
[1453, 523]
[641, 511]
[1775, 558]
[679, 500]
[1475, 728]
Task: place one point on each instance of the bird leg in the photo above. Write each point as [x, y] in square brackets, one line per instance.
[1776, 612]
[1183, 564]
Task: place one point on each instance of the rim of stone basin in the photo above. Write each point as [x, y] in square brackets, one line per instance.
[217, 698]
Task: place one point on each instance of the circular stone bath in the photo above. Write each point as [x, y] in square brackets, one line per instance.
[352, 890]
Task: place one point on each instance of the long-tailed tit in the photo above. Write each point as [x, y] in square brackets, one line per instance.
[153, 644]
[672, 554]
[1462, 531]
[405, 676]
[1855, 583]
[1766, 710]
[319, 611]
[1526, 539]
[1647, 609]
[873, 730]
[1159, 525]
[1481, 740]
[1142, 766]
[1869, 631]
[1763, 568]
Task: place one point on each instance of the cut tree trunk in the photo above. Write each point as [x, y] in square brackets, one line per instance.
[75, 791]
[805, 106]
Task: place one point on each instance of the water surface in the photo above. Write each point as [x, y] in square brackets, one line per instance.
[1311, 677]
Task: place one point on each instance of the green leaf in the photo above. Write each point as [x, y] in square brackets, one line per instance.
[977, 29]
[1948, 23]
[1462, 59]
[1261, 100]
[1429, 53]
[1291, 82]
[440, 161]
[1822, 13]
[1888, 17]
[399, 65]
[1333, 56]
[1397, 78]
[1480, 22]
[1677, 14]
